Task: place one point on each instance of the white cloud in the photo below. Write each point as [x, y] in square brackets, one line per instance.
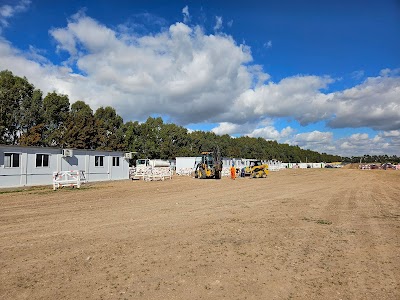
[361, 143]
[315, 140]
[287, 131]
[218, 23]
[356, 144]
[375, 103]
[298, 97]
[391, 133]
[271, 133]
[186, 15]
[181, 72]
[314, 137]
[357, 137]
[230, 128]
[8, 11]
[260, 128]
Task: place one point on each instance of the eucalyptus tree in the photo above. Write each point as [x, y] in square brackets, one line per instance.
[15, 97]
[109, 129]
[55, 113]
[79, 127]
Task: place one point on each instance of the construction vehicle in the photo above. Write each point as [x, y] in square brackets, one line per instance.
[210, 165]
[256, 169]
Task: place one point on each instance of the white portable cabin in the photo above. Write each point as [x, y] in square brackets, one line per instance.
[186, 165]
[302, 165]
[28, 166]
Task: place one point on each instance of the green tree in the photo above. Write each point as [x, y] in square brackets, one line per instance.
[173, 141]
[79, 127]
[109, 129]
[150, 138]
[14, 93]
[32, 120]
[132, 136]
[32, 111]
[55, 113]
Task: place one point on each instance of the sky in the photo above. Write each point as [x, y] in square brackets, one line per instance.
[323, 75]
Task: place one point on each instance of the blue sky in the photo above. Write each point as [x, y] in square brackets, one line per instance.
[318, 74]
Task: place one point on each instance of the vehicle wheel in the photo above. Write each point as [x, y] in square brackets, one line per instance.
[218, 175]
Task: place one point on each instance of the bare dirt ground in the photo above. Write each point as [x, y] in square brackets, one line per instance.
[299, 234]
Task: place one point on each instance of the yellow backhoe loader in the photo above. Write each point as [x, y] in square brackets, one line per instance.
[210, 165]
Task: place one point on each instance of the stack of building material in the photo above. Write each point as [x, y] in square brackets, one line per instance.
[184, 171]
[158, 173]
[139, 172]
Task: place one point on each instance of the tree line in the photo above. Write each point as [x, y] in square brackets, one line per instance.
[370, 159]
[29, 119]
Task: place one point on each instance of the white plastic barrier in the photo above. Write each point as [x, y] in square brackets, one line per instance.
[274, 165]
[184, 171]
[68, 178]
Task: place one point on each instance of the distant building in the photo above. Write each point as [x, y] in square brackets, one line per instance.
[28, 166]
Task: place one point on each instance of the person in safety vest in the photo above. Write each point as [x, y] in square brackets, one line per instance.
[233, 172]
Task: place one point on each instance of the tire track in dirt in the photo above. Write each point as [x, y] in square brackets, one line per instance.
[355, 225]
[311, 252]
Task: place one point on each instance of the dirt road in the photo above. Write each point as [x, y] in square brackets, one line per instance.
[299, 234]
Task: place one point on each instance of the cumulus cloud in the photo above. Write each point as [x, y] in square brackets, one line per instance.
[375, 103]
[357, 144]
[298, 97]
[262, 128]
[312, 138]
[8, 11]
[361, 143]
[391, 133]
[271, 133]
[180, 72]
[231, 128]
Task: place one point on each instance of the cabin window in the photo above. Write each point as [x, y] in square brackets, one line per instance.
[99, 161]
[115, 161]
[42, 160]
[11, 160]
